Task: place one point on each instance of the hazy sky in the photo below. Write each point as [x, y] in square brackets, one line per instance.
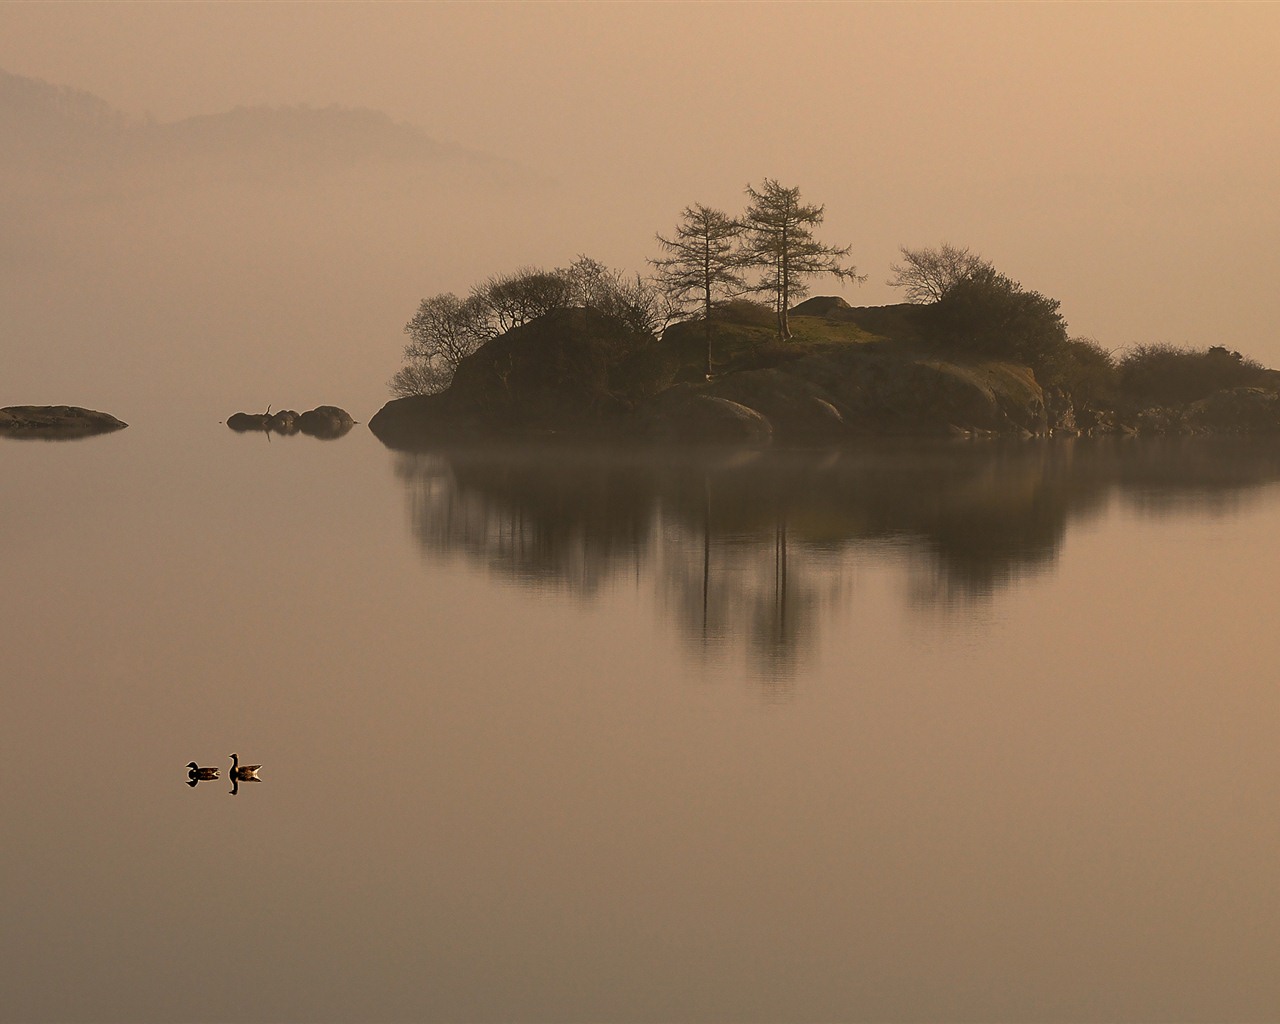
[1121, 158]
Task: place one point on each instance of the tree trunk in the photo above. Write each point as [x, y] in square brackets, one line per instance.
[706, 317]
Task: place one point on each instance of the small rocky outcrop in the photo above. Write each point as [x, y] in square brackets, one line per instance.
[55, 422]
[283, 422]
[324, 421]
[572, 371]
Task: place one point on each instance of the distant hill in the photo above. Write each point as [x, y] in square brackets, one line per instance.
[57, 132]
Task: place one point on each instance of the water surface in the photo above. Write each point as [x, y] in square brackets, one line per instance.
[925, 732]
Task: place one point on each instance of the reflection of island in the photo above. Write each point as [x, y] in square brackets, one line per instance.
[751, 546]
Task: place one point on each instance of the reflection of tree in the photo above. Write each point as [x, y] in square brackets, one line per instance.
[750, 548]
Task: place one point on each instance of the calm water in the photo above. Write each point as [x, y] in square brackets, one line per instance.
[914, 733]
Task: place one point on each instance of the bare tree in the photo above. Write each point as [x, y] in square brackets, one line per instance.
[928, 274]
[442, 332]
[446, 329]
[512, 300]
[418, 377]
[632, 299]
[704, 263]
[780, 240]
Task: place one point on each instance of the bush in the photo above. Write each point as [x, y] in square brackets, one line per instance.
[419, 377]
[1084, 370]
[1165, 374]
[987, 313]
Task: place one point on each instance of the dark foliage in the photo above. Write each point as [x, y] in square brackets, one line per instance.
[988, 313]
[1084, 370]
[1165, 374]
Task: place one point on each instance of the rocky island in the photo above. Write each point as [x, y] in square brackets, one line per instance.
[847, 372]
[55, 422]
[686, 356]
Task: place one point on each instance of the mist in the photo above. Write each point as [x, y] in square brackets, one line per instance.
[225, 206]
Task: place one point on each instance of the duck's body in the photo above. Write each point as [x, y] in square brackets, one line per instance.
[244, 772]
[197, 773]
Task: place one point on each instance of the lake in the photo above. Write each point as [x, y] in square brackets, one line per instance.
[908, 732]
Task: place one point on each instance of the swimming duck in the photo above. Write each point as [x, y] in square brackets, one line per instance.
[244, 772]
[198, 773]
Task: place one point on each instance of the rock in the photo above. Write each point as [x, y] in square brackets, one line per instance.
[325, 422]
[574, 372]
[56, 422]
[1244, 410]
[283, 422]
[242, 421]
[830, 306]
[683, 415]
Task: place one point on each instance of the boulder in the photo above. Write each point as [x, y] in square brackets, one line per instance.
[1244, 410]
[58, 422]
[574, 372]
[283, 422]
[686, 416]
[325, 422]
[242, 421]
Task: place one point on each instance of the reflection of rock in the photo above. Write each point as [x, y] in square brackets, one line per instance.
[59, 422]
[324, 421]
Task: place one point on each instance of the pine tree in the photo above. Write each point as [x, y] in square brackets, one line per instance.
[780, 240]
[703, 264]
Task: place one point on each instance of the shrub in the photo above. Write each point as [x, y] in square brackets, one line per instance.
[418, 377]
[987, 313]
[1163, 374]
[1084, 370]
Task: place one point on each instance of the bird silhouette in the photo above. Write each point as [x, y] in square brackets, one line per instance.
[244, 772]
[197, 774]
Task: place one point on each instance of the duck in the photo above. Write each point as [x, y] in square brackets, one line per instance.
[198, 773]
[244, 772]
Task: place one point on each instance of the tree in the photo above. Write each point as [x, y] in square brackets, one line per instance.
[512, 300]
[780, 239]
[418, 377]
[633, 300]
[704, 263]
[928, 274]
[988, 312]
[442, 332]
[446, 329]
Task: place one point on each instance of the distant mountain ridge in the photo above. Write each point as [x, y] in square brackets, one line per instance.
[43, 124]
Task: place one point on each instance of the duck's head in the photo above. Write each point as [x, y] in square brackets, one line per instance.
[192, 764]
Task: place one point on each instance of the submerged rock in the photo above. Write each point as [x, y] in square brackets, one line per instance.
[55, 422]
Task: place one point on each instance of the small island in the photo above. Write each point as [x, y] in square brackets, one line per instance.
[693, 355]
[326, 422]
[55, 422]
